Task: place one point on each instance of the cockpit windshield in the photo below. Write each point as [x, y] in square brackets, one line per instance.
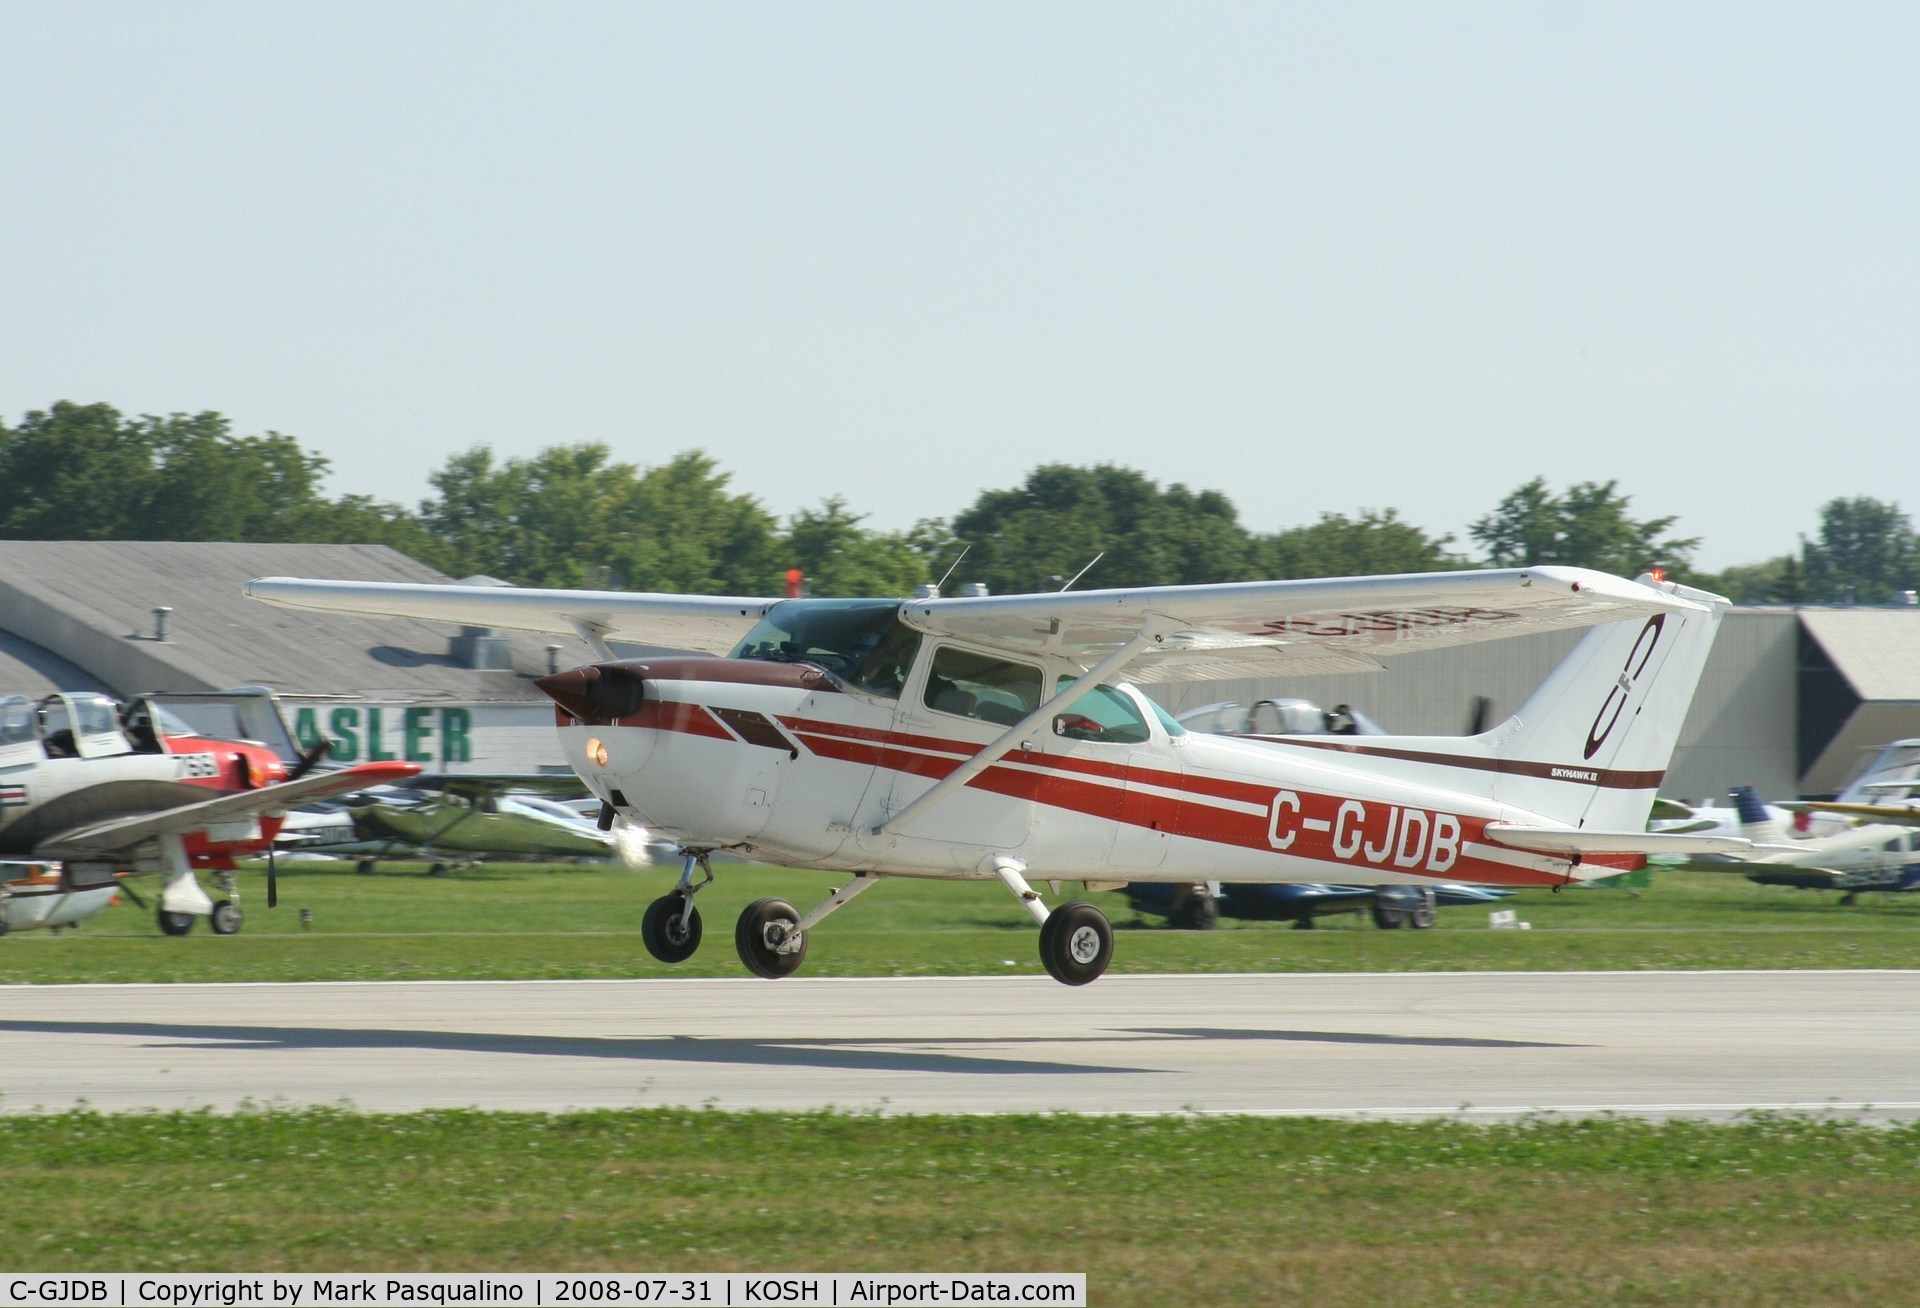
[861, 642]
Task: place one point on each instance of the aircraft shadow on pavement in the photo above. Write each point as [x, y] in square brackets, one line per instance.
[877, 1055]
[1353, 1038]
[874, 1055]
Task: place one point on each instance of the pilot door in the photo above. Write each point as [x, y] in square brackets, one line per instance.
[958, 701]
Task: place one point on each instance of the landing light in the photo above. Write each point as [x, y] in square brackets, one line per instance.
[597, 751]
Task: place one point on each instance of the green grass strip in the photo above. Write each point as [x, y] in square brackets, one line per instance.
[1766, 1210]
[518, 921]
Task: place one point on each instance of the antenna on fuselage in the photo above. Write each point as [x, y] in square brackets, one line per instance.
[941, 584]
[1084, 571]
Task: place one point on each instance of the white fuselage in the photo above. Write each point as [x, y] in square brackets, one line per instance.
[721, 756]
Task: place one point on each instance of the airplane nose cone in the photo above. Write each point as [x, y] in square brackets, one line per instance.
[599, 692]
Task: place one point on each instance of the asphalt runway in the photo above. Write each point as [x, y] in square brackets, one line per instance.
[1475, 1045]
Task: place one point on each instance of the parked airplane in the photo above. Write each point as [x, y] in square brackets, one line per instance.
[451, 819]
[1882, 792]
[102, 799]
[1886, 791]
[984, 738]
[1198, 907]
[1877, 856]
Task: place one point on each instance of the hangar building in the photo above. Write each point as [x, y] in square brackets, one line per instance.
[133, 617]
[1792, 701]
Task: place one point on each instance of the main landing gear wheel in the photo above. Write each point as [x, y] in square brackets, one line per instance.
[671, 928]
[174, 924]
[769, 939]
[1076, 943]
[225, 918]
[1396, 907]
[1201, 912]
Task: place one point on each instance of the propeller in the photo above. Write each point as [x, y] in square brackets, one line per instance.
[310, 759]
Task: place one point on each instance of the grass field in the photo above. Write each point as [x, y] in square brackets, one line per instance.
[1155, 1211]
[518, 921]
[1227, 1211]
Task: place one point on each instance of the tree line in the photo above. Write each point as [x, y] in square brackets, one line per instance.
[574, 515]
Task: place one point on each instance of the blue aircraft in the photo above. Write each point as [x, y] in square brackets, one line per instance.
[1198, 907]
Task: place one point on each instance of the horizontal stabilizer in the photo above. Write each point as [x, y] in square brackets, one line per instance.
[1894, 814]
[1569, 840]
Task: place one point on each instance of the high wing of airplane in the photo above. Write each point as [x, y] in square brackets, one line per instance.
[1003, 738]
[1880, 856]
[103, 794]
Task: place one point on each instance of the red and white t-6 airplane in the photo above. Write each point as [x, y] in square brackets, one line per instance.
[988, 738]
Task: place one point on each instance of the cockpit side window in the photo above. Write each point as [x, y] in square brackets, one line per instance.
[884, 668]
[971, 684]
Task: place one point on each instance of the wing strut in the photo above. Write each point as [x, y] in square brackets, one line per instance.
[595, 634]
[1152, 632]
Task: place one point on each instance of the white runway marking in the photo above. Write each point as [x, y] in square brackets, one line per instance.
[1471, 1045]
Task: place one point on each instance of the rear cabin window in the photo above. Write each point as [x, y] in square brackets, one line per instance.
[975, 685]
[18, 722]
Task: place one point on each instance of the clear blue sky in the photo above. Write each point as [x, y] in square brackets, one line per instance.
[1319, 256]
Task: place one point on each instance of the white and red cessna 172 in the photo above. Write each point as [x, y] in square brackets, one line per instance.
[983, 738]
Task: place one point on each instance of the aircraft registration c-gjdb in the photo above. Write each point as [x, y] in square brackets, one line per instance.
[1003, 737]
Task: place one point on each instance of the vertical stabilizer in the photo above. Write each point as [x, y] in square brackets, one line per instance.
[1591, 746]
[1756, 824]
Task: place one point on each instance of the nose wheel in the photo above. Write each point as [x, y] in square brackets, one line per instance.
[671, 928]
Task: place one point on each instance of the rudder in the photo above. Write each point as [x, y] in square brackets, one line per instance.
[1591, 745]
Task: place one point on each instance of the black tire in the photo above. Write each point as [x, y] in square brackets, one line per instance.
[750, 939]
[1388, 919]
[1423, 917]
[174, 924]
[225, 918]
[1076, 944]
[671, 928]
[364, 867]
[1202, 912]
[437, 870]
